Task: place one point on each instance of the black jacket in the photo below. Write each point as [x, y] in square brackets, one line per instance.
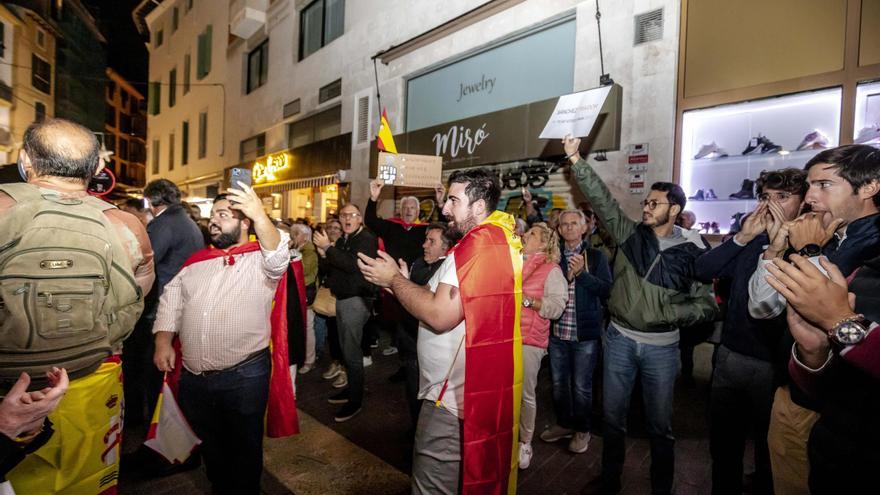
[344, 278]
[400, 242]
[174, 237]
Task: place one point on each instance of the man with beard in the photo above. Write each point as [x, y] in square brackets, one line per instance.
[469, 350]
[654, 295]
[219, 306]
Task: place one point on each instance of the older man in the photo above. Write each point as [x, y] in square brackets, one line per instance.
[354, 298]
[219, 305]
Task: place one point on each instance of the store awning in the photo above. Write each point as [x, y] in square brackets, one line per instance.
[290, 185]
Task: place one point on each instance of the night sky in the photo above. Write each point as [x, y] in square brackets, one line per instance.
[126, 53]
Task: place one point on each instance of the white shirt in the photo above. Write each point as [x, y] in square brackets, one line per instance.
[437, 352]
[221, 312]
[764, 301]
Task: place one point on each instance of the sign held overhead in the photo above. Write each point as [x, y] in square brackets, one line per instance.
[575, 114]
[400, 169]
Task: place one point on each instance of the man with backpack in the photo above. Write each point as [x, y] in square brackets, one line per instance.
[73, 271]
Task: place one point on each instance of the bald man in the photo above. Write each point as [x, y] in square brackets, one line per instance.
[58, 159]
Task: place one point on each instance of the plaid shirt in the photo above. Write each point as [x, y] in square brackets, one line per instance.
[566, 327]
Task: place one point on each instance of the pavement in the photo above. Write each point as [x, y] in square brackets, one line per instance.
[371, 453]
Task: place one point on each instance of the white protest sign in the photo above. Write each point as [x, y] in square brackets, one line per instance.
[575, 114]
[401, 169]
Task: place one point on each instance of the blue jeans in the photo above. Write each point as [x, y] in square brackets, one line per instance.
[571, 367]
[657, 367]
[320, 333]
[226, 410]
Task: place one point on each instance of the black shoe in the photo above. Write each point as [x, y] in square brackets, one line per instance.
[715, 228]
[767, 146]
[754, 144]
[711, 194]
[398, 376]
[747, 190]
[698, 196]
[348, 411]
[735, 221]
[340, 398]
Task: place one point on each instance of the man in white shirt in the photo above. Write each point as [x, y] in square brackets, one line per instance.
[219, 306]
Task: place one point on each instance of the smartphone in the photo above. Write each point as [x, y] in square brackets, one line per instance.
[243, 175]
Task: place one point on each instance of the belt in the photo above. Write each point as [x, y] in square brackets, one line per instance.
[246, 361]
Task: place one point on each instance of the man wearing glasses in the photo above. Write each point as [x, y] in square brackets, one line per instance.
[750, 361]
[354, 298]
[653, 295]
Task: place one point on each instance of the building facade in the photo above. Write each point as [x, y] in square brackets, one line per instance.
[27, 75]
[125, 131]
[300, 90]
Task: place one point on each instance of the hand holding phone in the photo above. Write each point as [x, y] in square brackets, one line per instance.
[243, 175]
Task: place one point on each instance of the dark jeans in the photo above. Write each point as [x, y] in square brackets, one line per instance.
[141, 379]
[571, 367]
[351, 316]
[226, 410]
[657, 367]
[740, 402]
[409, 360]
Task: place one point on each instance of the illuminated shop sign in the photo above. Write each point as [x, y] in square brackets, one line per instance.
[265, 169]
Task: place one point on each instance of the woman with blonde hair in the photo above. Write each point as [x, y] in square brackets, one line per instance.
[545, 292]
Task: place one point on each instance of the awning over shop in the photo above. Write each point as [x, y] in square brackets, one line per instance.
[290, 185]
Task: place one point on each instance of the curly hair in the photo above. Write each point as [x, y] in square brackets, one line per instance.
[793, 180]
[549, 236]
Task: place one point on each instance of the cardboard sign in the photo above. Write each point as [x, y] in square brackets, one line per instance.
[575, 114]
[409, 170]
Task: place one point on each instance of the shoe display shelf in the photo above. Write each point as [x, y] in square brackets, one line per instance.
[725, 148]
[866, 128]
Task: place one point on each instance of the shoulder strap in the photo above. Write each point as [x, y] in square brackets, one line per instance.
[98, 203]
[21, 191]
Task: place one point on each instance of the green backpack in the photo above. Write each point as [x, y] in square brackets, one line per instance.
[67, 295]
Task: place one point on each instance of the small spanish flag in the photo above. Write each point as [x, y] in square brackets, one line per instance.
[385, 141]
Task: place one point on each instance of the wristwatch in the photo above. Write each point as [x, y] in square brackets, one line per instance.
[810, 250]
[527, 303]
[849, 331]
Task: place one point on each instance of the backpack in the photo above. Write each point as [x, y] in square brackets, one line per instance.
[67, 295]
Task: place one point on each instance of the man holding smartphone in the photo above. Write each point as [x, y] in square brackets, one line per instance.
[219, 306]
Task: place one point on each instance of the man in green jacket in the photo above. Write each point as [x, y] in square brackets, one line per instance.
[653, 295]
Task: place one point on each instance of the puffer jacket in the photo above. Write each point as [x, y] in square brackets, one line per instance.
[654, 291]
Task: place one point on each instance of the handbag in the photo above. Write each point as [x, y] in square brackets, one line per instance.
[325, 303]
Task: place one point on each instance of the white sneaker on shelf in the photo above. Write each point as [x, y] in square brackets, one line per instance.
[525, 455]
[815, 140]
[368, 361]
[868, 134]
[580, 442]
[389, 351]
[341, 380]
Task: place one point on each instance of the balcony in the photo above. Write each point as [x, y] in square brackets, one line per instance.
[5, 92]
[246, 17]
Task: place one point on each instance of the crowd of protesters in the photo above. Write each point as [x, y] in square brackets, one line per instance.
[474, 301]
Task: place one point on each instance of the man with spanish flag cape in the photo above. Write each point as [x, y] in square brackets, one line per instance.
[469, 345]
[227, 306]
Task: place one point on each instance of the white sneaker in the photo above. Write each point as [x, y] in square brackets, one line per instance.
[525, 455]
[305, 369]
[389, 351]
[333, 371]
[341, 380]
[580, 442]
[368, 361]
[868, 134]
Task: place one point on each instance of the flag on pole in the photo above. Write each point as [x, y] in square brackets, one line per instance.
[385, 140]
[170, 435]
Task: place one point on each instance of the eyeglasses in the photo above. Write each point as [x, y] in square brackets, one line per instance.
[777, 196]
[652, 204]
[350, 215]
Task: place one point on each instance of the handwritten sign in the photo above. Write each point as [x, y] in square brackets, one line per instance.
[409, 170]
[575, 114]
[265, 169]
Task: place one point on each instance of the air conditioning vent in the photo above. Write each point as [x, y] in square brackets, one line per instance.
[648, 27]
[363, 119]
[330, 91]
[291, 108]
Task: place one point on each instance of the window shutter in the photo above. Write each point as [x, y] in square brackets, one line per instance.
[154, 97]
[363, 119]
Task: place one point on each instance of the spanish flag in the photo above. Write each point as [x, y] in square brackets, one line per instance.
[489, 268]
[385, 141]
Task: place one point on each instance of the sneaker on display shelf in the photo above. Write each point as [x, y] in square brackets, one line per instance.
[815, 140]
[705, 226]
[747, 190]
[736, 221]
[699, 196]
[868, 134]
[715, 228]
[768, 146]
[711, 195]
[753, 145]
[710, 151]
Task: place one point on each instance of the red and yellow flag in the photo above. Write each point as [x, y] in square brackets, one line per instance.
[489, 268]
[385, 140]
